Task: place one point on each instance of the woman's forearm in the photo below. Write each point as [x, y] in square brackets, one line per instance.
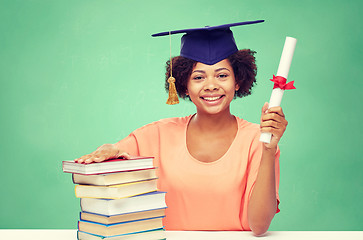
[263, 204]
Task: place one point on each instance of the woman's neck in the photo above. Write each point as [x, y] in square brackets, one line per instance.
[215, 122]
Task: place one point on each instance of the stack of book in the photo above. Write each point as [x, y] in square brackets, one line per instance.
[119, 199]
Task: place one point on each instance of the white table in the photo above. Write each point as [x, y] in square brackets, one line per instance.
[57, 234]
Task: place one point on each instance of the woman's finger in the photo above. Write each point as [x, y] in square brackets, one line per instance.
[82, 159]
[277, 110]
[271, 123]
[273, 117]
[264, 107]
[124, 155]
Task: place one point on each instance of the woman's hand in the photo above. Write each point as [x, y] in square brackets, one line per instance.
[102, 153]
[273, 121]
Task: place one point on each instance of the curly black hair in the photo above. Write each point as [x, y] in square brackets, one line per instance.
[242, 62]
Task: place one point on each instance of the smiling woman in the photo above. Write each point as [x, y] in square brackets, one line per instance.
[216, 173]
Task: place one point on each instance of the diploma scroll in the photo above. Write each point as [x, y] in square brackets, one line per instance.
[280, 80]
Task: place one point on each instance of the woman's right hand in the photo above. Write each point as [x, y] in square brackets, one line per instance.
[102, 153]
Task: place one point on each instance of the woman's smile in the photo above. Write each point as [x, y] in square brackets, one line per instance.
[213, 100]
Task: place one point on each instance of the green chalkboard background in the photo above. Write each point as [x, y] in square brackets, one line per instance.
[79, 73]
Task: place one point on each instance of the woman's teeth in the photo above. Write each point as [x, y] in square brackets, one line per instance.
[211, 98]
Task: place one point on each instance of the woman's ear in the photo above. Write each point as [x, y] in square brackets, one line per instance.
[237, 87]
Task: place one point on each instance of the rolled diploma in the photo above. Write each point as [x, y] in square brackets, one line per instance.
[282, 71]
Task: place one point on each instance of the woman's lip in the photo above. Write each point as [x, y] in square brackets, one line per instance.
[213, 100]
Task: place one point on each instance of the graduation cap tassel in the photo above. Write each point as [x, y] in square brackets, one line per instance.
[173, 95]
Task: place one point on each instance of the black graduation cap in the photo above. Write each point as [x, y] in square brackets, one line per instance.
[208, 45]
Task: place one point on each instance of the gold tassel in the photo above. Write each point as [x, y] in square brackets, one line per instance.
[173, 96]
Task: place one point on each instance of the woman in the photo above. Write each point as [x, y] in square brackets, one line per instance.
[216, 173]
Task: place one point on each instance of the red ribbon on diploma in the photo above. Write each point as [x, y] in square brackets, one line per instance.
[280, 82]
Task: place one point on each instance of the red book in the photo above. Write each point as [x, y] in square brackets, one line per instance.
[109, 166]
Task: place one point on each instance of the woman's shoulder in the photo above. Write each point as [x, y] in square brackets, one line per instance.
[249, 132]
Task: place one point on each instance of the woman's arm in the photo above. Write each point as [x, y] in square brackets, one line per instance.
[262, 205]
[263, 202]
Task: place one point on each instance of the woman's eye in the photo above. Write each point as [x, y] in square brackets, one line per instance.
[222, 75]
[198, 78]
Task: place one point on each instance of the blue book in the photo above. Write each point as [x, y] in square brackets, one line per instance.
[128, 227]
[154, 234]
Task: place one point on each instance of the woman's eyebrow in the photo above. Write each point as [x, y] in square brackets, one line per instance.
[217, 70]
[220, 69]
[201, 71]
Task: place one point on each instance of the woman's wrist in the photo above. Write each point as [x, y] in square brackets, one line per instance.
[269, 149]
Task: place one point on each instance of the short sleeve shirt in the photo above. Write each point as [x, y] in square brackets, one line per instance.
[201, 196]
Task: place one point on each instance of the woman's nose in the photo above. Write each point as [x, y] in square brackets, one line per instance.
[211, 84]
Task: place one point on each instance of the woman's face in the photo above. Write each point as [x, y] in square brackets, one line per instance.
[212, 87]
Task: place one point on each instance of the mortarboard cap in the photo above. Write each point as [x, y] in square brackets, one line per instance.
[208, 45]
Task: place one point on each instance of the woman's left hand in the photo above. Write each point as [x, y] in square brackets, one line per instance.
[273, 121]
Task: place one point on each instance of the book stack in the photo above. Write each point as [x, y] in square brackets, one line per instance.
[119, 199]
